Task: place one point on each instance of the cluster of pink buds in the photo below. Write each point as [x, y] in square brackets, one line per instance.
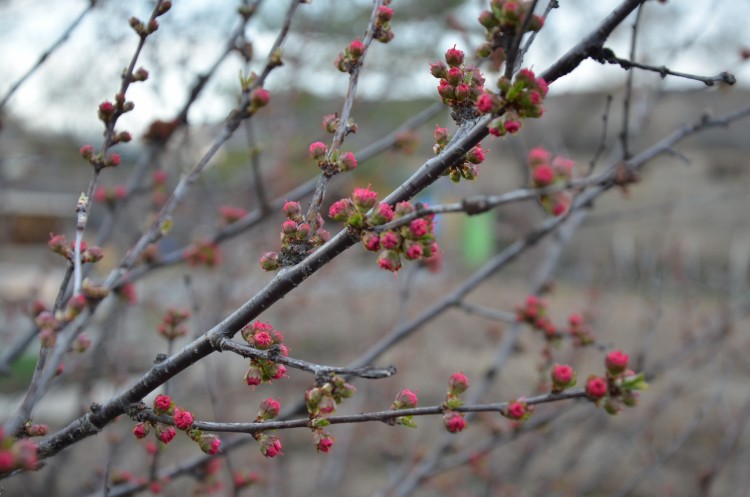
[173, 323]
[469, 168]
[322, 400]
[59, 245]
[521, 99]
[17, 454]
[454, 421]
[350, 58]
[503, 21]
[337, 162]
[518, 410]
[298, 238]
[203, 253]
[460, 85]
[563, 377]
[383, 18]
[413, 241]
[145, 29]
[547, 171]
[620, 385]
[405, 399]
[230, 214]
[534, 312]
[110, 196]
[183, 420]
[264, 337]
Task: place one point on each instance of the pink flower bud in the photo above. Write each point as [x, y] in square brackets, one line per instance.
[339, 210]
[182, 419]
[389, 260]
[418, 228]
[87, 151]
[454, 57]
[446, 90]
[347, 162]
[162, 403]
[382, 214]
[292, 209]
[462, 92]
[141, 430]
[486, 103]
[324, 441]
[165, 434]
[543, 175]
[414, 251]
[476, 155]
[356, 48]
[454, 422]
[270, 445]
[538, 156]
[458, 383]
[596, 387]
[406, 399]
[210, 444]
[562, 376]
[113, 160]
[289, 227]
[385, 13]
[441, 135]
[438, 69]
[390, 240]
[7, 461]
[269, 261]
[371, 241]
[455, 76]
[318, 151]
[616, 362]
[512, 126]
[517, 410]
[259, 97]
[262, 340]
[364, 198]
[487, 19]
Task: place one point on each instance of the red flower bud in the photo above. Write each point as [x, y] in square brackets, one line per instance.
[454, 422]
[596, 387]
[454, 57]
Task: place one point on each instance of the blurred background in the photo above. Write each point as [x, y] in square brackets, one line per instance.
[659, 270]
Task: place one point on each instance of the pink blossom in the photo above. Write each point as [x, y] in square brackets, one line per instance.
[182, 419]
[512, 126]
[616, 362]
[476, 155]
[454, 76]
[441, 135]
[162, 403]
[292, 209]
[167, 434]
[389, 240]
[269, 409]
[418, 228]
[596, 387]
[462, 92]
[516, 410]
[347, 162]
[317, 151]
[279, 373]
[364, 198]
[371, 241]
[485, 103]
[538, 155]
[406, 399]
[259, 97]
[356, 48]
[325, 443]
[458, 383]
[454, 57]
[383, 213]
[87, 151]
[141, 430]
[543, 175]
[454, 422]
[414, 251]
[338, 210]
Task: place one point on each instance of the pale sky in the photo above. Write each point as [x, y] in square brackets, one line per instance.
[688, 36]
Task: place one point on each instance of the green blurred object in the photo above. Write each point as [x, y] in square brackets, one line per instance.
[478, 239]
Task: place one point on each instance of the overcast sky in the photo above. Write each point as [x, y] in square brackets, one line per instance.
[699, 37]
